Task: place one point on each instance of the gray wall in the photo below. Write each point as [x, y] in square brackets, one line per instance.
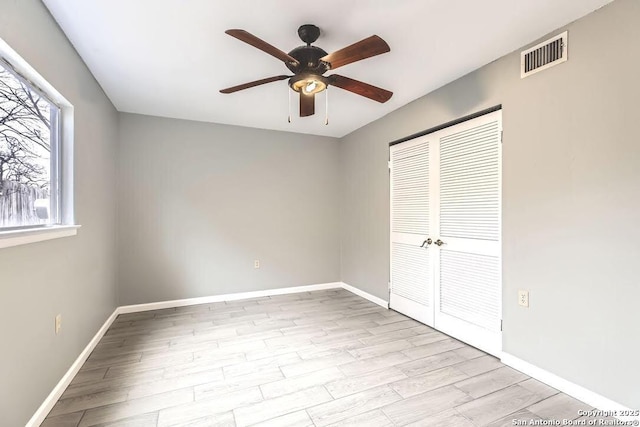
[571, 183]
[198, 203]
[74, 276]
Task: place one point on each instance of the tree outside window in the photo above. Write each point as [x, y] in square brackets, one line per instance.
[28, 126]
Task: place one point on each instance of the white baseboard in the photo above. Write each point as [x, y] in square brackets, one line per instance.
[57, 391]
[574, 390]
[365, 295]
[225, 297]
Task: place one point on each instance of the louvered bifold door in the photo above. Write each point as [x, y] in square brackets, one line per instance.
[468, 262]
[411, 269]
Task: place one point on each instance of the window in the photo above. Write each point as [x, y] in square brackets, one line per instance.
[29, 136]
[36, 155]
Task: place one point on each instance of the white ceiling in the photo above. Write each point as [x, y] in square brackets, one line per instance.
[171, 57]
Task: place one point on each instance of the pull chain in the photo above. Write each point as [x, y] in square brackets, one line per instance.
[289, 94]
[326, 106]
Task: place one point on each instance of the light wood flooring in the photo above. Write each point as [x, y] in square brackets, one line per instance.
[327, 358]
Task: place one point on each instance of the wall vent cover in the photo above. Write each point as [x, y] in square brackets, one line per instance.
[544, 55]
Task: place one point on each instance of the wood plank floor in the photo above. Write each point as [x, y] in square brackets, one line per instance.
[327, 358]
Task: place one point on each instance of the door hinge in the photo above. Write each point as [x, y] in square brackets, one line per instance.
[389, 164]
[500, 325]
[501, 136]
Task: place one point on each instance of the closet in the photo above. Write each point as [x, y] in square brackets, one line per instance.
[446, 230]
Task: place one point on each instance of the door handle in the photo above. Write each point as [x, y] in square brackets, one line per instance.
[427, 243]
[439, 242]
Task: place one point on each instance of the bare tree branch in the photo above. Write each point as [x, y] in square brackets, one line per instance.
[24, 133]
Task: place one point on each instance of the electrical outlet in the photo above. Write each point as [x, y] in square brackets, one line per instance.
[523, 298]
[58, 323]
[256, 263]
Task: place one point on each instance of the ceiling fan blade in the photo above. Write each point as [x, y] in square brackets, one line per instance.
[371, 46]
[307, 104]
[360, 88]
[252, 84]
[262, 45]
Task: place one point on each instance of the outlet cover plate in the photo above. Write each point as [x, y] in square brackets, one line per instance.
[58, 321]
[523, 298]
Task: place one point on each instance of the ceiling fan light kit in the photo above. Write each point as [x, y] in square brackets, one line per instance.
[308, 84]
[309, 63]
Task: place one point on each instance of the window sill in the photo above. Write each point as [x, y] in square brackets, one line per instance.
[33, 235]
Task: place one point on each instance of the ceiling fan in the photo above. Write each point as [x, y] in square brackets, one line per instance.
[309, 63]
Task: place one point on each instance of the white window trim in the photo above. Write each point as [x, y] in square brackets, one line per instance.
[67, 226]
[11, 238]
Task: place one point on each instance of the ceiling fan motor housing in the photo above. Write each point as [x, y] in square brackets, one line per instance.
[309, 60]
